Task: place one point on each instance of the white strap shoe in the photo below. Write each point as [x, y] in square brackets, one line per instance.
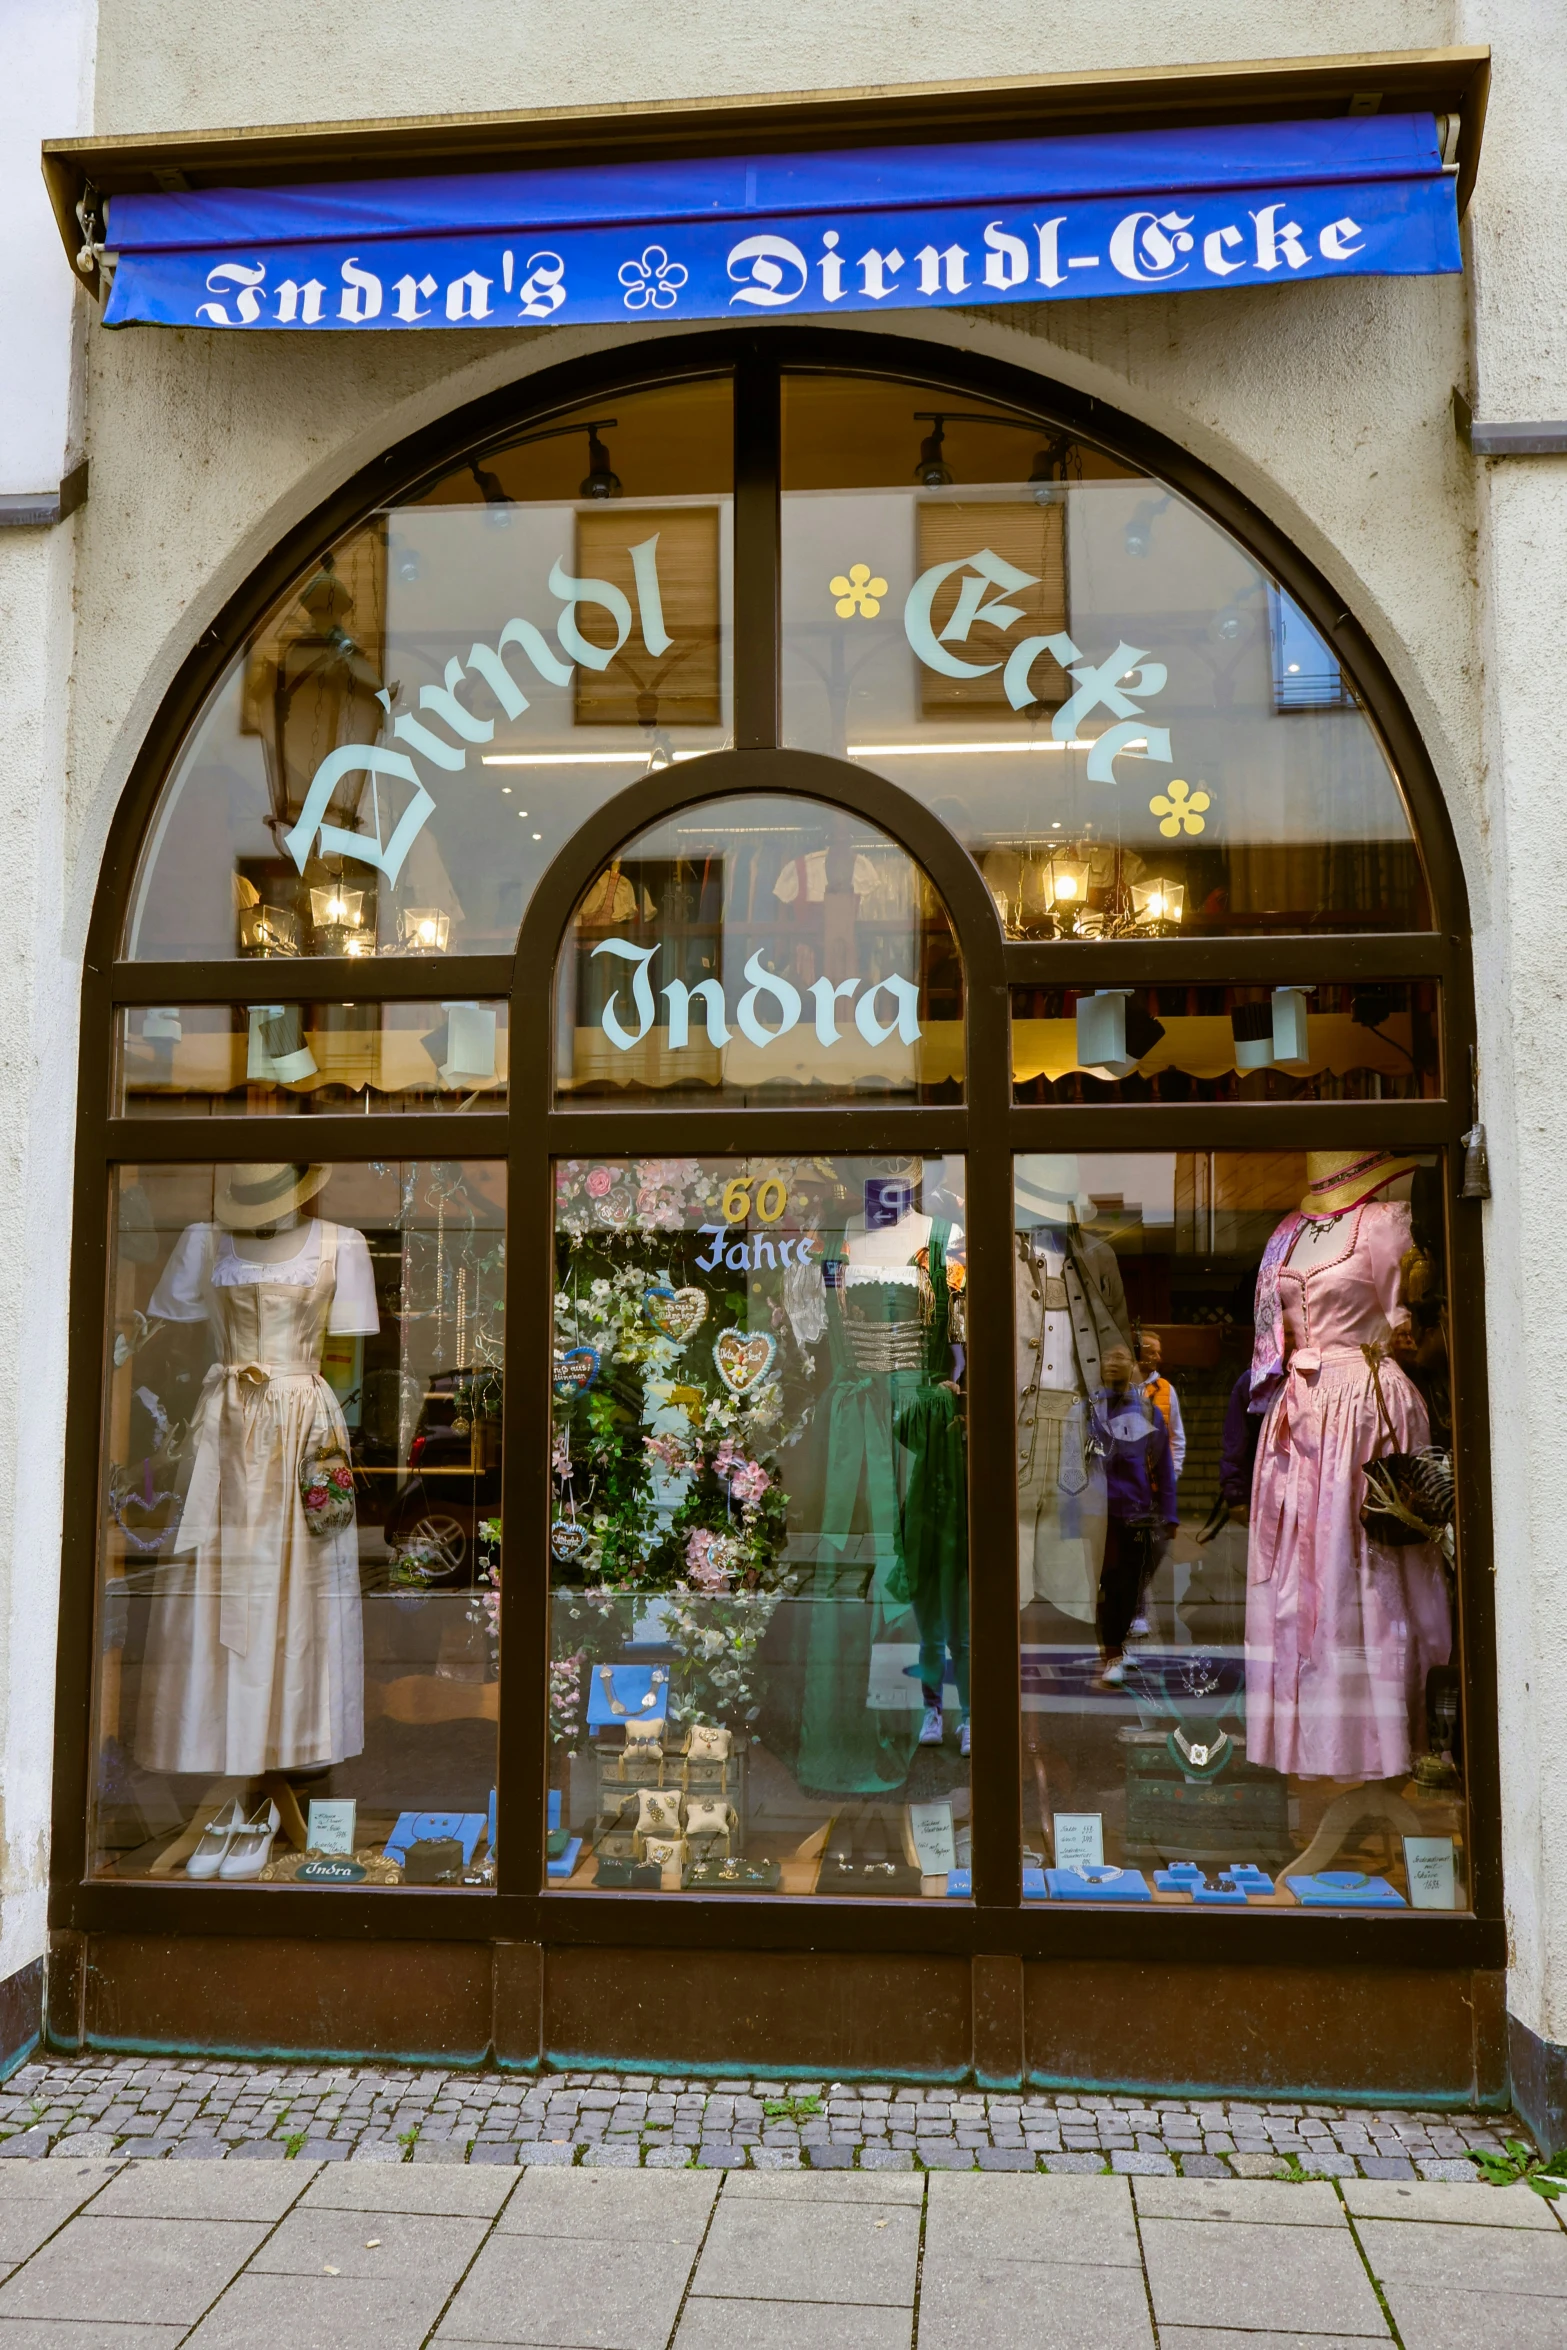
[251, 1845]
[216, 1837]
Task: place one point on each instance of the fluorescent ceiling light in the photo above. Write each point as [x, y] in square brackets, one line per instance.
[577, 758]
[966, 750]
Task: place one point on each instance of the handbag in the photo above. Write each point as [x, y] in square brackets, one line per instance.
[326, 1486]
[1409, 1495]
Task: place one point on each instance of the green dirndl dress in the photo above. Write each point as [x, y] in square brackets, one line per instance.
[878, 1504]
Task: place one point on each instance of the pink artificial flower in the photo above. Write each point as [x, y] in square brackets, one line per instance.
[749, 1482]
[647, 1201]
[598, 1183]
[668, 1451]
[317, 1498]
[708, 1572]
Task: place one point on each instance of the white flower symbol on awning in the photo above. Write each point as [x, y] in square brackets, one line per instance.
[654, 282]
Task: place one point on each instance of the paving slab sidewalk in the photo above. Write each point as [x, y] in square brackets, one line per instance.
[130, 2255]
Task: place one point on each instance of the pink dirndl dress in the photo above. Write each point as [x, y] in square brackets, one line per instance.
[1340, 1631]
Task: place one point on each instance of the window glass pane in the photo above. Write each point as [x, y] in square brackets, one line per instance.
[1330, 1041]
[1055, 651]
[298, 1653]
[760, 950]
[759, 1676]
[232, 1060]
[435, 704]
[1240, 1672]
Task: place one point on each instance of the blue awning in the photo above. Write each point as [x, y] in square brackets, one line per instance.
[1019, 220]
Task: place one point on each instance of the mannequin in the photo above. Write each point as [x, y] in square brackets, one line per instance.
[254, 1659]
[1340, 1631]
[893, 1489]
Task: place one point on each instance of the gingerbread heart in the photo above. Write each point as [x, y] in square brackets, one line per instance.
[676, 1312]
[142, 1534]
[744, 1358]
[614, 1208]
[568, 1540]
[574, 1371]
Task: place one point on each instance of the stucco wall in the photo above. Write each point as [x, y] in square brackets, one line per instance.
[1517, 237]
[48, 54]
[1328, 404]
[165, 64]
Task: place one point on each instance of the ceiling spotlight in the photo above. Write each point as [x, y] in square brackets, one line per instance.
[1139, 530]
[600, 480]
[1050, 467]
[497, 506]
[933, 472]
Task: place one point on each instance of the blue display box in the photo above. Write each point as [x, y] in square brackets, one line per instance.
[1345, 1889]
[1124, 1885]
[632, 1686]
[960, 1885]
[434, 1827]
[566, 1861]
[1236, 1887]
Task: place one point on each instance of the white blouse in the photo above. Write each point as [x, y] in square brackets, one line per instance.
[179, 1295]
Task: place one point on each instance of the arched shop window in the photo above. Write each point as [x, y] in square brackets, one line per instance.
[851, 1283]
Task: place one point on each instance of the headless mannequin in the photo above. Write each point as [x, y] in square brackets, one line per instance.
[1339, 1637]
[274, 1244]
[1316, 1242]
[212, 1682]
[886, 1252]
[1321, 1238]
[279, 1244]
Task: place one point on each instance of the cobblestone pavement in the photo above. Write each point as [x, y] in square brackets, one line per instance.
[149, 2106]
[107, 2255]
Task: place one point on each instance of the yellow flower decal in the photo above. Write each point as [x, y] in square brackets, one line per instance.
[858, 593]
[1182, 811]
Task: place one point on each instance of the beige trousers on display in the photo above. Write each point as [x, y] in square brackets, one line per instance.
[1060, 1568]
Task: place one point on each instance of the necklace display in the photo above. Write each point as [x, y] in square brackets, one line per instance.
[645, 1704]
[1320, 1226]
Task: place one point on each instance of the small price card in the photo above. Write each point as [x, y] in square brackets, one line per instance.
[1079, 1839]
[1433, 1874]
[931, 1835]
[331, 1824]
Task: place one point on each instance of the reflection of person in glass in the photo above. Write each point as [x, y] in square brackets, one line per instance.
[1341, 1632]
[1129, 1443]
[1162, 1396]
[255, 1646]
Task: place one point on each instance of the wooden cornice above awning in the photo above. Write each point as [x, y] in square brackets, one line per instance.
[1445, 82]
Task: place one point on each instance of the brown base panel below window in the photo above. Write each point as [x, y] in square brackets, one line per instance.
[1420, 2033]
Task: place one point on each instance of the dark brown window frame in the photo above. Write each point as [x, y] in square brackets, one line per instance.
[988, 1129]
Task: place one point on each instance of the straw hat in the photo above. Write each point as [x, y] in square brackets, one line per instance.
[1339, 1180]
[1045, 1184]
[249, 1196]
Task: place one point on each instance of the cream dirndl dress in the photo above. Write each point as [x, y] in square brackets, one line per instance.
[255, 1646]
